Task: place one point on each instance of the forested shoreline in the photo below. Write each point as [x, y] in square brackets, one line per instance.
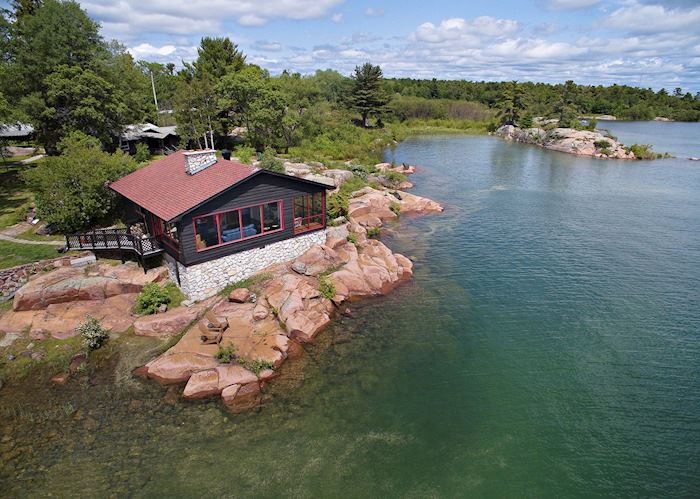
[60, 75]
[79, 91]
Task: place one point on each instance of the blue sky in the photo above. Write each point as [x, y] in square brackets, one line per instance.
[640, 42]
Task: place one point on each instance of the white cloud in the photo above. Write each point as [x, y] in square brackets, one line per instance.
[164, 53]
[128, 17]
[571, 4]
[458, 28]
[637, 18]
[374, 12]
[659, 47]
[267, 46]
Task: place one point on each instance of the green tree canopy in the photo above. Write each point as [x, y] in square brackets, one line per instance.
[368, 96]
[79, 100]
[218, 57]
[72, 189]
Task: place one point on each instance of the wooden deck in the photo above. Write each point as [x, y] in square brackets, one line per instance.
[114, 239]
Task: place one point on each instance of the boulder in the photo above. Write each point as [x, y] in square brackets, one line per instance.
[261, 311]
[240, 295]
[370, 207]
[77, 362]
[68, 284]
[233, 374]
[339, 176]
[60, 379]
[335, 236]
[202, 384]
[168, 323]
[304, 325]
[316, 260]
[229, 393]
[178, 367]
[246, 398]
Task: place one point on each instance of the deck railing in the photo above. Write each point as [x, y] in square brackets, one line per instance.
[113, 239]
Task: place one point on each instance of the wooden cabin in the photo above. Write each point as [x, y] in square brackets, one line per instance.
[200, 207]
[213, 221]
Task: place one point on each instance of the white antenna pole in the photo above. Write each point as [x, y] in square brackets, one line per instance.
[155, 97]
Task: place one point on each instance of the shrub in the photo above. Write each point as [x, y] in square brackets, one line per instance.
[143, 154]
[395, 177]
[395, 207]
[643, 151]
[602, 144]
[352, 238]
[151, 297]
[72, 190]
[326, 286]
[337, 204]
[526, 121]
[255, 366]
[270, 162]
[92, 332]
[245, 154]
[374, 232]
[225, 354]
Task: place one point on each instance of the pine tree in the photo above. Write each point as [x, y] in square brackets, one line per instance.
[368, 96]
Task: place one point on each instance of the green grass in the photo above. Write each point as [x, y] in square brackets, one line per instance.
[30, 235]
[246, 283]
[15, 159]
[15, 198]
[176, 296]
[13, 254]
[439, 126]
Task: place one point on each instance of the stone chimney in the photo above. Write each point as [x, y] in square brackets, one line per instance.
[196, 161]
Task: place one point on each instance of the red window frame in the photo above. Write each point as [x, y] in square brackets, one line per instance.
[217, 219]
[307, 220]
[159, 230]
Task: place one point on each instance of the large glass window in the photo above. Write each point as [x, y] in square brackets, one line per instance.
[271, 217]
[206, 230]
[252, 223]
[234, 225]
[309, 212]
[230, 226]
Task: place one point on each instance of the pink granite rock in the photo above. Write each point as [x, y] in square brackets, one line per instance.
[178, 367]
[202, 384]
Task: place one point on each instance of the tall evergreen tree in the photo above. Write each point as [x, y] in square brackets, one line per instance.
[217, 57]
[368, 96]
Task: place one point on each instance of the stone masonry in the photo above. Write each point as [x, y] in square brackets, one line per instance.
[206, 279]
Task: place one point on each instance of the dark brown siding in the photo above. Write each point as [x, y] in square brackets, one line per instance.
[258, 190]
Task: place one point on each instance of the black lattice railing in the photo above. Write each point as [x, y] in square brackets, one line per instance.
[108, 239]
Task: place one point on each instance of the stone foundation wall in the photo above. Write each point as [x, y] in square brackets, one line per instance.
[206, 279]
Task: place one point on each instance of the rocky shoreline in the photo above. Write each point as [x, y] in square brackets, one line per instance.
[282, 307]
[268, 322]
[568, 140]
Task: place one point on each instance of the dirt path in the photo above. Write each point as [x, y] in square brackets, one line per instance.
[11, 239]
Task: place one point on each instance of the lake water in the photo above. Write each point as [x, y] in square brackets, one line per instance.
[547, 347]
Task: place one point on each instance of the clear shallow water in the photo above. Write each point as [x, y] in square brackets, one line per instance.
[548, 347]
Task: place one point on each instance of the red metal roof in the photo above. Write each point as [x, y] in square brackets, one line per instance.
[166, 189]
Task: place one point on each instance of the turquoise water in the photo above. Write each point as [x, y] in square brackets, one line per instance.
[547, 347]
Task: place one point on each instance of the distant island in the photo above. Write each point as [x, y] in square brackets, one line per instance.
[594, 143]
